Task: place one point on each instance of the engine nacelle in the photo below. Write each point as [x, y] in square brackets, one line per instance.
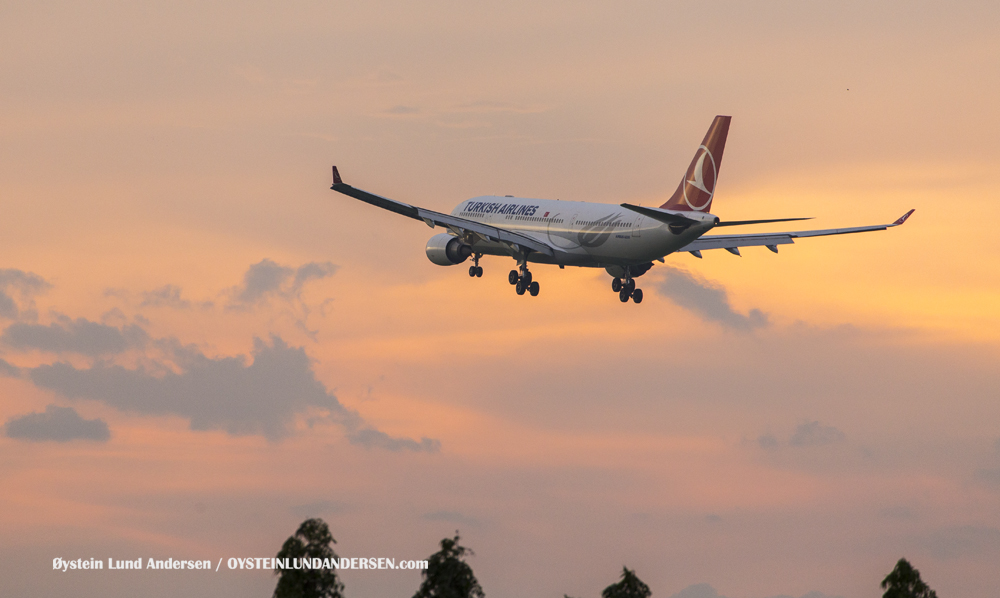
[447, 250]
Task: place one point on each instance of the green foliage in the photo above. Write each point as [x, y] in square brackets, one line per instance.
[630, 586]
[905, 582]
[312, 540]
[448, 575]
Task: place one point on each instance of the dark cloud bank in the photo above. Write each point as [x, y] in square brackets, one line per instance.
[259, 396]
[74, 336]
[59, 424]
[241, 396]
[708, 300]
[9, 370]
[226, 393]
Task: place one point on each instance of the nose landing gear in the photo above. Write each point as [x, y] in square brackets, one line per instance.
[475, 270]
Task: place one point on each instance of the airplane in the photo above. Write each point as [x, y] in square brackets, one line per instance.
[623, 239]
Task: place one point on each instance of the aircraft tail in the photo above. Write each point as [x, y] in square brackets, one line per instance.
[698, 185]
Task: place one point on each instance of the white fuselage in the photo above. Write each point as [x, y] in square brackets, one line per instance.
[584, 234]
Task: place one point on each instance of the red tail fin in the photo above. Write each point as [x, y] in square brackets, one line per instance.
[698, 185]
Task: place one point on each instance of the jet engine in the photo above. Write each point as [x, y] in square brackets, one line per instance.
[447, 250]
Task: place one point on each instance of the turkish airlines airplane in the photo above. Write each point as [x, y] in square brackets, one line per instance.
[625, 239]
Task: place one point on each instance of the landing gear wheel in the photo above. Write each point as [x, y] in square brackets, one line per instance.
[519, 288]
[512, 278]
[533, 289]
[616, 285]
[630, 285]
[472, 271]
[479, 271]
[637, 295]
[527, 277]
[623, 295]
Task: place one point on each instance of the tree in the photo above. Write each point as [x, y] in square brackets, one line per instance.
[448, 575]
[311, 541]
[905, 582]
[630, 586]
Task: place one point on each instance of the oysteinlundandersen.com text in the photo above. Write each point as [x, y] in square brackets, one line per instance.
[235, 563]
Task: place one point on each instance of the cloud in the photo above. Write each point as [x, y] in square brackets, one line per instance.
[59, 424]
[267, 279]
[990, 476]
[74, 336]
[767, 441]
[962, 541]
[8, 308]
[220, 393]
[9, 370]
[262, 279]
[312, 271]
[708, 300]
[166, 296]
[371, 438]
[223, 393]
[815, 434]
[26, 285]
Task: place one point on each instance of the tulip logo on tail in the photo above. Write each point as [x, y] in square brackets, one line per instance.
[699, 186]
[696, 189]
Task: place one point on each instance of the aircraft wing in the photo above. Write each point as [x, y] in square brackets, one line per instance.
[516, 241]
[772, 240]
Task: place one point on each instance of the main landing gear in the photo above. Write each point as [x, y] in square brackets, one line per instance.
[475, 270]
[626, 288]
[522, 282]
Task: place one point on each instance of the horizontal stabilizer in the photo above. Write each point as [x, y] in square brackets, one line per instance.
[742, 222]
[661, 215]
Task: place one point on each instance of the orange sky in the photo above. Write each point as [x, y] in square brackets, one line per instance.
[156, 158]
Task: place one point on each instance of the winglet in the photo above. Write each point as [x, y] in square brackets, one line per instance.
[903, 218]
[336, 177]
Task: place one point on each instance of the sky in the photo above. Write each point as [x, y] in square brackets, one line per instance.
[201, 345]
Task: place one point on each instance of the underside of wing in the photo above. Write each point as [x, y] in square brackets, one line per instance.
[734, 241]
[460, 226]
[772, 240]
